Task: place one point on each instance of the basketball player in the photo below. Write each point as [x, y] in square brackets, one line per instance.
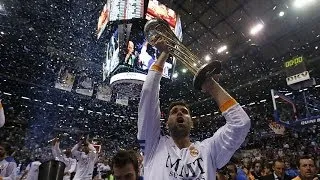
[7, 166]
[32, 170]
[125, 166]
[175, 156]
[86, 160]
[65, 158]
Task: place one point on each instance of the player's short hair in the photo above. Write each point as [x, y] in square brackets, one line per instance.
[178, 103]
[7, 147]
[124, 157]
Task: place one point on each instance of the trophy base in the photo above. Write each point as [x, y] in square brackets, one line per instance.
[205, 71]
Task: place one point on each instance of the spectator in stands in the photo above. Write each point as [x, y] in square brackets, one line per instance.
[7, 167]
[233, 174]
[125, 165]
[278, 172]
[267, 169]
[291, 170]
[246, 167]
[307, 169]
[257, 168]
[237, 162]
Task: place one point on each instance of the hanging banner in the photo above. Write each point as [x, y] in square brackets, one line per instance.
[85, 85]
[65, 79]
[104, 92]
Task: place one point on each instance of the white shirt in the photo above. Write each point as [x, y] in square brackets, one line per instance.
[69, 162]
[85, 163]
[163, 160]
[33, 170]
[7, 170]
[2, 117]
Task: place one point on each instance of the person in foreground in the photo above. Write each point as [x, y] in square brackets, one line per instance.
[175, 156]
[125, 166]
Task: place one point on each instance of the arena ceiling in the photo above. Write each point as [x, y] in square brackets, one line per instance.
[252, 64]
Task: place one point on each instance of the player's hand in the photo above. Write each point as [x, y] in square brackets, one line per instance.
[160, 44]
[208, 84]
[55, 140]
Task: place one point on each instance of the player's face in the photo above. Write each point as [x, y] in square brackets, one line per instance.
[2, 152]
[179, 121]
[126, 172]
[279, 168]
[86, 149]
[68, 152]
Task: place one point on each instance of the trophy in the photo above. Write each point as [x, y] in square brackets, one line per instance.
[160, 28]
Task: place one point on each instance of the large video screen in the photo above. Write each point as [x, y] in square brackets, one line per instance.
[112, 55]
[117, 10]
[135, 55]
[140, 54]
[158, 10]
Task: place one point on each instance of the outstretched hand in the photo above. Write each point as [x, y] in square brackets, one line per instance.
[55, 140]
[208, 84]
[159, 43]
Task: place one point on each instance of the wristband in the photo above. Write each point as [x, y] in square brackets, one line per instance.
[156, 67]
[226, 105]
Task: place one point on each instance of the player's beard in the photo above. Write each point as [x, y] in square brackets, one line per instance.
[179, 131]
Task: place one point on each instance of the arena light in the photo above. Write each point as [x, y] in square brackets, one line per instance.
[8, 94]
[263, 100]
[50, 103]
[281, 13]
[175, 75]
[255, 29]
[207, 58]
[60, 105]
[216, 112]
[302, 3]
[184, 70]
[287, 94]
[23, 97]
[221, 49]
[317, 86]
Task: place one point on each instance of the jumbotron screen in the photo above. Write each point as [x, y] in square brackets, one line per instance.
[117, 10]
[157, 10]
[129, 51]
